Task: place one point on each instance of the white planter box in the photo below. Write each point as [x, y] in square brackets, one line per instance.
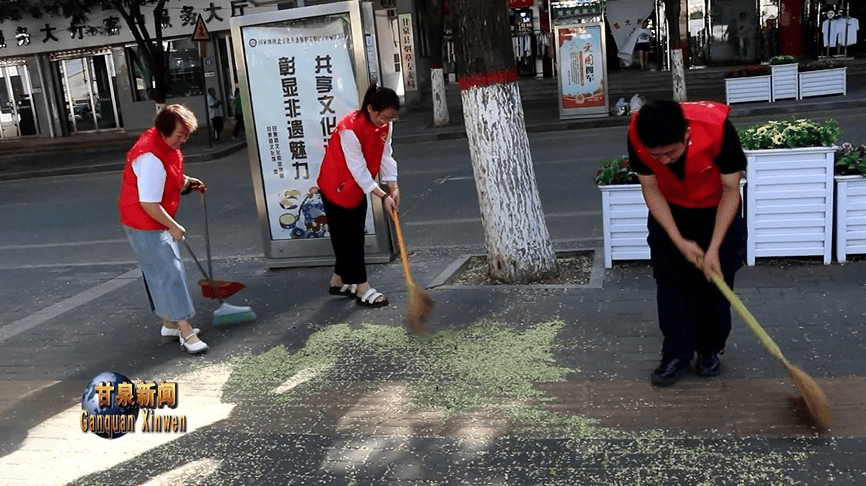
[850, 216]
[742, 90]
[789, 202]
[624, 215]
[823, 82]
[785, 82]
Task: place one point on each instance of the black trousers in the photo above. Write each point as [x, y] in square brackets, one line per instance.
[217, 122]
[347, 229]
[693, 315]
[239, 125]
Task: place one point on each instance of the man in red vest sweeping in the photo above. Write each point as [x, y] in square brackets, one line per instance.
[689, 162]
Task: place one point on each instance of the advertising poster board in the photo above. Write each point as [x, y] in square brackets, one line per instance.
[582, 82]
[302, 73]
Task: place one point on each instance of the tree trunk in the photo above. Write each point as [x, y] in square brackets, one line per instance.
[515, 234]
[431, 15]
[440, 107]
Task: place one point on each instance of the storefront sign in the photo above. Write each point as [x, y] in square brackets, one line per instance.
[407, 52]
[521, 3]
[582, 70]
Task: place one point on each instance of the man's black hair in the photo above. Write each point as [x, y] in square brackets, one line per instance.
[661, 123]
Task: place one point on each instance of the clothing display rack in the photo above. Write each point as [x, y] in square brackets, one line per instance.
[839, 32]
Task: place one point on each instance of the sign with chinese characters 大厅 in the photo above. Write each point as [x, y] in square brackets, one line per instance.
[301, 83]
[582, 71]
[407, 52]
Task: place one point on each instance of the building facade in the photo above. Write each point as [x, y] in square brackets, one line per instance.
[60, 77]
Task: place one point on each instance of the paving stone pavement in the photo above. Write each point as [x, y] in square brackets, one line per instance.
[266, 408]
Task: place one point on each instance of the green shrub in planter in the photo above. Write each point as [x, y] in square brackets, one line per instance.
[850, 160]
[783, 60]
[748, 72]
[615, 171]
[819, 65]
[793, 133]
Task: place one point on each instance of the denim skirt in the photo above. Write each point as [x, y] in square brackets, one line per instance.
[159, 256]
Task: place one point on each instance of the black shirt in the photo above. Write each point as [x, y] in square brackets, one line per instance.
[729, 161]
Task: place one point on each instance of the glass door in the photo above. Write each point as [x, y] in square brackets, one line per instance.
[90, 94]
[17, 115]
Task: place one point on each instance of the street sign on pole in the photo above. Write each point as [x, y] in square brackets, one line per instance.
[200, 33]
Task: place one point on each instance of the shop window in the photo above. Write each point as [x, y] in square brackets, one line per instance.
[183, 67]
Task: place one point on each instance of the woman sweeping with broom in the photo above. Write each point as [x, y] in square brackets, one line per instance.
[358, 151]
[152, 183]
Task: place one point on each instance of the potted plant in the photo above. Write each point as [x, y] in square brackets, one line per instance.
[624, 212]
[850, 179]
[824, 77]
[784, 78]
[789, 201]
[750, 83]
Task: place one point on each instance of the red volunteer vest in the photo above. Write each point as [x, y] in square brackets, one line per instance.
[702, 185]
[335, 181]
[131, 212]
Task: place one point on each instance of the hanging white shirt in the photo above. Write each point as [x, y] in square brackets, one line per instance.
[853, 25]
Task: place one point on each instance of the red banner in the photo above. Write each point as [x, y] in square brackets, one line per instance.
[521, 3]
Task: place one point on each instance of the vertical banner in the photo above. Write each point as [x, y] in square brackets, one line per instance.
[407, 52]
[582, 70]
[302, 84]
[300, 71]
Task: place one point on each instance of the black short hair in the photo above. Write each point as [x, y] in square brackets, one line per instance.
[661, 123]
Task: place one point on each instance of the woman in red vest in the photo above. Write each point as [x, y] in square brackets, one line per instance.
[152, 183]
[359, 150]
[689, 161]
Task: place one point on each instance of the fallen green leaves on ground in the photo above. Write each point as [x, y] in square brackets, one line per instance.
[489, 366]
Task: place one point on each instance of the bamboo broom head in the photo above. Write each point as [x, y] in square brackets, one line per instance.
[816, 400]
[420, 309]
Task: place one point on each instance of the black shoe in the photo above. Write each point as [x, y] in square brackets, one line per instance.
[669, 372]
[708, 364]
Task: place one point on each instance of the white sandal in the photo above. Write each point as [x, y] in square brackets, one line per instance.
[369, 299]
[192, 348]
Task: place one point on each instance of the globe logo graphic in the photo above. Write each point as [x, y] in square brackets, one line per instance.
[90, 401]
[253, 43]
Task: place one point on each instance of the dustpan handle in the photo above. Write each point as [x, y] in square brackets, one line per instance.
[189, 249]
[207, 238]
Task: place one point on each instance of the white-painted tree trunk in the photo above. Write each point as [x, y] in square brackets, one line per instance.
[515, 233]
[679, 75]
[440, 107]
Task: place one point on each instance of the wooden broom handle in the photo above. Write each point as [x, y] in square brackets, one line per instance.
[403, 257]
[747, 316]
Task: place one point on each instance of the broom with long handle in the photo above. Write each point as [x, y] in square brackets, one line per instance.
[420, 302]
[816, 400]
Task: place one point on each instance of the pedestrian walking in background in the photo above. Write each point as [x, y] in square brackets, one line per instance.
[642, 44]
[689, 162]
[239, 114]
[215, 111]
[152, 183]
[359, 150]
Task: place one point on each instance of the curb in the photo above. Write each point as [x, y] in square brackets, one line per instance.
[116, 166]
[458, 131]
